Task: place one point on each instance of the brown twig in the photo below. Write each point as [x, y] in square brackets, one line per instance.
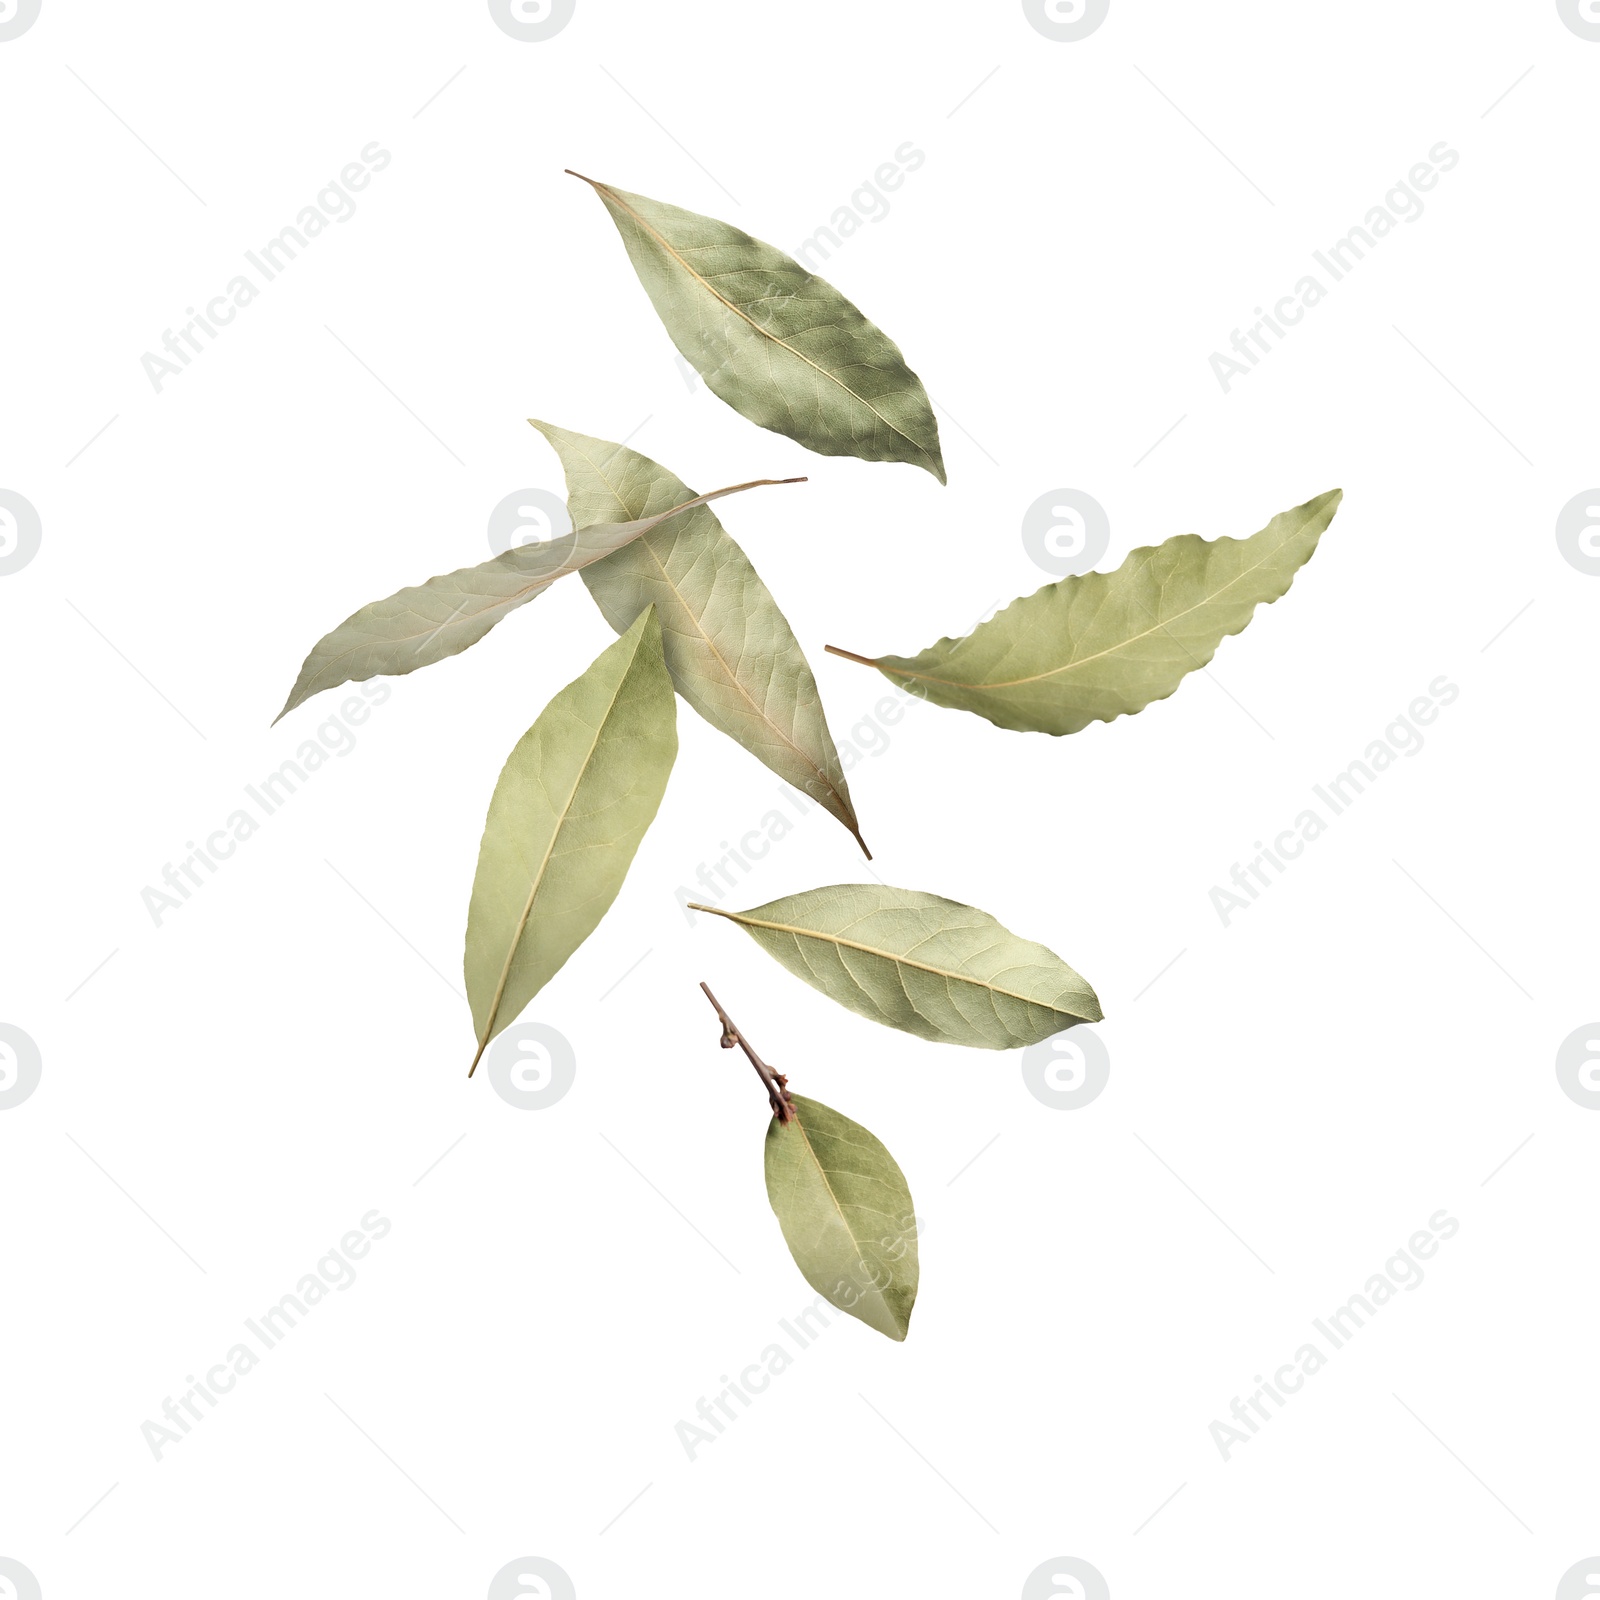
[775, 1082]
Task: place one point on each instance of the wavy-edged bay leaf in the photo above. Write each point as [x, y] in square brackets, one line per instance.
[730, 650]
[443, 616]
[1107, 644]
[921, 963]
[846, 1213]
[780, 345]
[570, 807]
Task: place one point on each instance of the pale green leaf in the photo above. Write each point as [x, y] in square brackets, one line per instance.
[780, 345]
[571, 805]
[921, 963]
[846, 1214]
[442, 617]
[1106, 644]
[729, 648]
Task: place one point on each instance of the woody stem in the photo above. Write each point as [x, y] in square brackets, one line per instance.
[774, 1082]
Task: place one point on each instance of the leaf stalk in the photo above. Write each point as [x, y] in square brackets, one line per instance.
[849, 655]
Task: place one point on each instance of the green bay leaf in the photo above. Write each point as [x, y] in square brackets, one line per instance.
[780, 345]
[444, 616]
[570, 807]
[846, 1213]
[1107, 644]
[730, 650]
[921, 963]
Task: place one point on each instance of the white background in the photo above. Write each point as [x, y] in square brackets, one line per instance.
[1291, 1096]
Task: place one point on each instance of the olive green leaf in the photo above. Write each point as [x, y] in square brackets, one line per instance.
[846, 1214]
[729, 648]
[568, 812]
[782, 347]
[1106, 644]
[921, 963]
[417, 627]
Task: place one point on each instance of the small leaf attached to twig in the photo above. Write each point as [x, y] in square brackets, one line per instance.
[841, 1200]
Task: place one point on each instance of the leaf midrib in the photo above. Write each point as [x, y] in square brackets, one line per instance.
[506, 603]
[519, 597]
[844, 1221]
[883, 955]
[799, 355]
